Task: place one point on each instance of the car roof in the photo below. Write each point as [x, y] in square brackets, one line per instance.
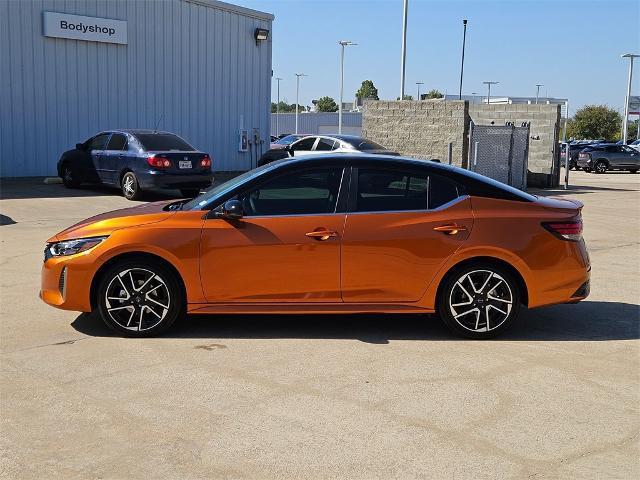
[138, 131]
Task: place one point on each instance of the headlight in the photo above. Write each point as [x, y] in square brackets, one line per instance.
[71, 247]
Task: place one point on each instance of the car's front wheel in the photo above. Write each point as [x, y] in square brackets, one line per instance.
[70, 177]
[479, 301]
[140, 298]
[130, 186]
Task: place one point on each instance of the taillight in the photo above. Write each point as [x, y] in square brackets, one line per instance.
[205, 162]
[158, 162]
[567, 230]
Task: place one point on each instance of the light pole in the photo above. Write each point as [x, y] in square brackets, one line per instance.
[418, 84]
[298, 75]
[278, 108]
[404, 47]
[342, 43]
[474, 94]
[464, 40]
[625, 124]
[538, 85]
[488, 84]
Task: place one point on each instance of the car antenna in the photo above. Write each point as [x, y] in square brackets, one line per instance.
[155, 130]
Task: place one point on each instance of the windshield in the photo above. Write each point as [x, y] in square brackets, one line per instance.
[162, 142]
[288, 140]
[210, 195]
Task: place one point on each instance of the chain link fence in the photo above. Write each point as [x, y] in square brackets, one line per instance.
[500, 152]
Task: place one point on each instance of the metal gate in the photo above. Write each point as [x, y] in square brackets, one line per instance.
[500, 152]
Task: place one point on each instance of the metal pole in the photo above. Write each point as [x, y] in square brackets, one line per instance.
[278, 108]
[464, 40]
[418, 84]
[625, 126]
[488, 93]
[566, 146]
[538, 85]
[298, 75]
[475, 157]
[341, 87]
[404, 47]
[297, 96]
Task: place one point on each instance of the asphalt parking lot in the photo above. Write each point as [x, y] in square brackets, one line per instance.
[321, 396]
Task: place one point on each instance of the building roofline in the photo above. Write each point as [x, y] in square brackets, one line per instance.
[228, 7]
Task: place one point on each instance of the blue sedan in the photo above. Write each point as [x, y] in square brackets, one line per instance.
[136, 160]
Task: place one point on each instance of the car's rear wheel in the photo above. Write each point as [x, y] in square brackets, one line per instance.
[479, 301]
[70, 177]
[600, 166]
[633, 170]
[130, 186]
[140, 298]
[189, 192]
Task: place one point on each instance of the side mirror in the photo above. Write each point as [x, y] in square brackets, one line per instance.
[232, 210]
[290, 150]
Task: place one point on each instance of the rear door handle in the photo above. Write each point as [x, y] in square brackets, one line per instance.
[322, 234]
[451, 229]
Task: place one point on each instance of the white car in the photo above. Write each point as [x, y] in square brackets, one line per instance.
[635, 145]
[317, 144]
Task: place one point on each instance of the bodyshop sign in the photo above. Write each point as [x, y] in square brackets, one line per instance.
[91, 29]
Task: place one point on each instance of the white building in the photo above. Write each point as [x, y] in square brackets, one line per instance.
[71, 69]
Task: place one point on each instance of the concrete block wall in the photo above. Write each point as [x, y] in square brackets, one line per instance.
[419, 129]
[545, 124]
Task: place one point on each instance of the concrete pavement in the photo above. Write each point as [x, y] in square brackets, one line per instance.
[320, 396]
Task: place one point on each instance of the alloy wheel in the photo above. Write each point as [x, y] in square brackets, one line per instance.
[601, 167]
[481, 301]
[137, 299]
[129, 188]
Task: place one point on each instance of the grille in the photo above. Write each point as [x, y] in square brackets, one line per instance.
[583, 291]
[62, 283]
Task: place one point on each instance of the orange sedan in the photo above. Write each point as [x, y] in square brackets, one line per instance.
[326, 234]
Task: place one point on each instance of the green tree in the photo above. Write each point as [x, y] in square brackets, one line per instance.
[326, 104]
[367, 90]
[434, 94]
[593, 122]
[406, 97]
[286, 108]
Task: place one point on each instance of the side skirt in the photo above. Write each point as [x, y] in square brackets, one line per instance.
[298, 308]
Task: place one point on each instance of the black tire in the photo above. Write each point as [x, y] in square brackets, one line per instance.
[130, 186]
[189, 192]
[587, 169]
[70, 177]
[126, 310]
[573, 165]
[600, 167]
[499, 298]
[633, 170]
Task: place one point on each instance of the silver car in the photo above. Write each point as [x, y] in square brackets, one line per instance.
[318, 144]
[603, 157]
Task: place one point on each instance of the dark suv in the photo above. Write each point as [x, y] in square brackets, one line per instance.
[609, 156]
[135, 160]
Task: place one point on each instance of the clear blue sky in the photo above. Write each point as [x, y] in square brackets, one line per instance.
[572, 47]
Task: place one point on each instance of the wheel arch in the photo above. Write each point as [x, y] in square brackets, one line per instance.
[522, 284]
[95, 281]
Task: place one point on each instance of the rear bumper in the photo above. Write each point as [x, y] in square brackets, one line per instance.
[583, 162]
[158, 179]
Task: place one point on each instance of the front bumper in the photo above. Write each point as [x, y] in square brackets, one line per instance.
[159, 179]
[66, 281]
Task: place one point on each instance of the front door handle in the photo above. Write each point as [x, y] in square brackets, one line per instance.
[451, 229]
[322, 234]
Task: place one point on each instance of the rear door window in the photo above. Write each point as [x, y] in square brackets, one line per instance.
[117, 142]
[163, 142]
[381, 190]
[325, 145]
[441, 191]
[304, 145]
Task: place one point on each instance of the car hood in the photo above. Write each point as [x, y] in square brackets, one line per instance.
[105, 223]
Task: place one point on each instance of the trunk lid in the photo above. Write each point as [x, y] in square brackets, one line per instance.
[182, 162]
